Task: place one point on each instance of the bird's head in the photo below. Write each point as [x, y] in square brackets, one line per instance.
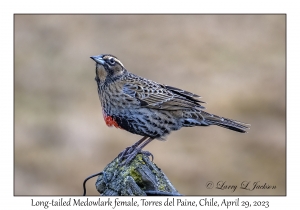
[108, 68]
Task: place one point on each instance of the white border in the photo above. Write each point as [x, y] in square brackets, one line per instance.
[29, 6]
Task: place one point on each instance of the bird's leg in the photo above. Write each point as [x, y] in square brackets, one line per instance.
[137, 150]
[139, 142]
[130, 149]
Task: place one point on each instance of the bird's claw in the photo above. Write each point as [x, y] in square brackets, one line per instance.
[147, 153]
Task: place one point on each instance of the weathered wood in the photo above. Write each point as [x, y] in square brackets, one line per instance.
[141, 177]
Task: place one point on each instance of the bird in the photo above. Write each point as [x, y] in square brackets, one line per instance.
[147, 108]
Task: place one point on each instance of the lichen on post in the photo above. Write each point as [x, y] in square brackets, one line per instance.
[139, 178]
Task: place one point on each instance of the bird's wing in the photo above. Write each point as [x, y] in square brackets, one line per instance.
[158, 96]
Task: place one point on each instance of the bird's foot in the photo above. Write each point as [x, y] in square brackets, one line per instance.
[127, 155]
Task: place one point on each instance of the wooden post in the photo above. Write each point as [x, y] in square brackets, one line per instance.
[140, 178]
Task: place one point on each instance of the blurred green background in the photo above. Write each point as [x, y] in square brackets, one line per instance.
[235, 62]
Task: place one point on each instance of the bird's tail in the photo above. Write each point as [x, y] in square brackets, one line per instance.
[205, 119]
[234, 125]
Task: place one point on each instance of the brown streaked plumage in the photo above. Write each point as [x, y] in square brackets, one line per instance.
[147, 108]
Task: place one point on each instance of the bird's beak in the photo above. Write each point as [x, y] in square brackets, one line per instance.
[98, 59]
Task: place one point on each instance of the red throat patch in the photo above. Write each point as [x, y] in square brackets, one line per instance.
[110, 121]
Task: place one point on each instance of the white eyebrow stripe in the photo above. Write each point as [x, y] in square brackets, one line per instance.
[119, 61]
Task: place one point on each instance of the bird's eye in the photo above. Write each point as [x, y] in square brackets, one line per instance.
[112, 61]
